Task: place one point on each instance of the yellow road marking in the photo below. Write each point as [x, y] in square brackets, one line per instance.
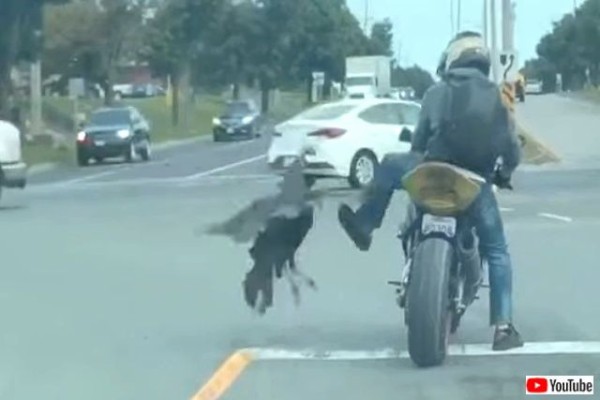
[224, 377]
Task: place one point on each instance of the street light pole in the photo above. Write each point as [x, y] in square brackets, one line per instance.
[494, 41]
[36, 75]
[458, 16]
[507, 25]
[485, 29]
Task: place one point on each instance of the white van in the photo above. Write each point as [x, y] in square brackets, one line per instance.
[13, 171]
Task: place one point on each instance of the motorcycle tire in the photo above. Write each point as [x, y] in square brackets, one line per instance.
[429, 314]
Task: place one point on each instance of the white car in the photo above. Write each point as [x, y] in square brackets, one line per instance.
[533, 87]
[345, 139]
[13, 170]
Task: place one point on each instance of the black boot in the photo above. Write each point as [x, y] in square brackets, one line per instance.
[506, 338]
[361, 237]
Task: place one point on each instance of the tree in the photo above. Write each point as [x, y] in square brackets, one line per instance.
[20, 24]
[180, 33]
[571, 48]
[381, 38]
[90, 38]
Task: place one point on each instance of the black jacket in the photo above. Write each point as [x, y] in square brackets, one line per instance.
[427, 140]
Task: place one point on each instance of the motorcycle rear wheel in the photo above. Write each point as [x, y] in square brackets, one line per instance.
[429, 313]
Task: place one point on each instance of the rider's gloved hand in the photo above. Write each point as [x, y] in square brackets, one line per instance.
[502, 180]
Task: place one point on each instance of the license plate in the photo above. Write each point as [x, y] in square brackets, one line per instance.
[435, 224]
[99, 142]
[229, 130]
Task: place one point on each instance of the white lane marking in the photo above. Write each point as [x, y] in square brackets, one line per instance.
[469, 350]
[223, 168]
[88, 177]
[555, 216]
[506, 209]
[112, 171]
[243, 177]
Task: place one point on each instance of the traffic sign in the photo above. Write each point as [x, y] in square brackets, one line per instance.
[76, 87]
[318, 77]
[509, 66]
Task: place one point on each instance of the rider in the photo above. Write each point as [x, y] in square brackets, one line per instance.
[466, 58]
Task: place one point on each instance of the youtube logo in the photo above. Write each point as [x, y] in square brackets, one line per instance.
[536, 385]
[559, 385]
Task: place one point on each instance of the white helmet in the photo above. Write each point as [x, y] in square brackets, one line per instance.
[467, 49]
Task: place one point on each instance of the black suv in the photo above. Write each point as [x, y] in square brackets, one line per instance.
[114, 132]
[240, 119]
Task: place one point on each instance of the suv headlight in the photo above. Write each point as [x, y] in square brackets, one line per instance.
[216, 121]
[247, 119]
[124, 133]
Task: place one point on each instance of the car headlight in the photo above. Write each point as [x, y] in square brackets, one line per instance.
[81, 136]
[124, 133]
[247, 119]
[216, 121]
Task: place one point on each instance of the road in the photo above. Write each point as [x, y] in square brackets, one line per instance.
[108, 291]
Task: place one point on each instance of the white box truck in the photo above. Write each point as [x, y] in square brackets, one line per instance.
[368, 76]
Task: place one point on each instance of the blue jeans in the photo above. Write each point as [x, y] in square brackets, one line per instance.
[484, 213]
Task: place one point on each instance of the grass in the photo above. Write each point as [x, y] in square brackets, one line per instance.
[59, 111]
[590, 94]
[535, 152]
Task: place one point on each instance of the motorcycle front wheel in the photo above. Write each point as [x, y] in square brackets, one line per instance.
[429, 313]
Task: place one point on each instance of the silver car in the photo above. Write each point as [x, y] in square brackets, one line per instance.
[533, 87]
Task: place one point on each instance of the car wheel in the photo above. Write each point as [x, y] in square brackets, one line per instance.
[99, 159]
[82, 160]
[362, 169]
[130, 154]
[216, 138]
[146, 151]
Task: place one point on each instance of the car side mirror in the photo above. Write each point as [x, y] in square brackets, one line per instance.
[405, 135]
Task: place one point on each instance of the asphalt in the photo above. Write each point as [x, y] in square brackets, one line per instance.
[109, 292]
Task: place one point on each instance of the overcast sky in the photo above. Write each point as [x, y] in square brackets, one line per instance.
[423, 27]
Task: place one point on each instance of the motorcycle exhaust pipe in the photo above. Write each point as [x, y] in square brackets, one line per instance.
[470, 260]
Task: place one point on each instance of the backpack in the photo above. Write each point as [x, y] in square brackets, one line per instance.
[468, 128]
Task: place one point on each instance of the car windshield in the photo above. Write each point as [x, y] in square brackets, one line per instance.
[327, 112]
[110, 117]
[359, 81]
[237, 108]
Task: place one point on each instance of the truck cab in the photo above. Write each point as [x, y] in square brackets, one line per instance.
[13, 171]
[361, 86]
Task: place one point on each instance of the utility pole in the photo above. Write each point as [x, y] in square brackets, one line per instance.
[35, 80]
[366, 21]
[452, 30]
[507, 25]
[494, 40]
[458, 16]
[485, 33]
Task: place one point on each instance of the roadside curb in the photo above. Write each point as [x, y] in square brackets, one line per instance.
[40, 168]
[545, 154]
[161, 146]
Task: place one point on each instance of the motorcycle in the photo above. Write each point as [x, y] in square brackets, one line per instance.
[444, 269]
